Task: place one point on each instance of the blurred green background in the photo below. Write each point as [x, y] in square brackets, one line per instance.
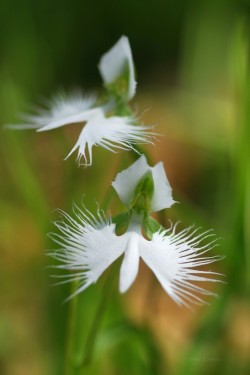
[193, 72]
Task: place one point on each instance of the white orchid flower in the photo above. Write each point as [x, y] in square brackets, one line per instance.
[89, 245]
[127, 180]
[117, 64]
[112, 133]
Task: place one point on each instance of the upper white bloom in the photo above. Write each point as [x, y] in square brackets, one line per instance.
[88, 245]
[127, 180]
[111, 133]
[117, 63]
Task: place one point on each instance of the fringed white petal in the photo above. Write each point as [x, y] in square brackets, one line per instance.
[174, 258]
[127, 180]
[113, 133]
[117, 62]
[62, 110]
[88, 245]
[65, 110]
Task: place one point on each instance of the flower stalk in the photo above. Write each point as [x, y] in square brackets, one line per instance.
[88, 351]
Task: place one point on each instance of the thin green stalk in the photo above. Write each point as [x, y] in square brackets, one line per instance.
[125, 110]
[93, 332]
[87, 354]
[98, 318]
[69, 342]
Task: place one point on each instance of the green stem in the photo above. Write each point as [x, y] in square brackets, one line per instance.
[99, 315]
[123, 109]
[87, 355]
[140, 150]
[92, 336]
[72, 314]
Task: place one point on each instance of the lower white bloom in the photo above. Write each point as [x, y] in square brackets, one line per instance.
[89, 245]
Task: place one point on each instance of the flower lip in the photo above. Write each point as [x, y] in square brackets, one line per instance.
[112, 133]
[130, 264]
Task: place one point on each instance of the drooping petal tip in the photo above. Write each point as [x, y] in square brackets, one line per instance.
[112, 133]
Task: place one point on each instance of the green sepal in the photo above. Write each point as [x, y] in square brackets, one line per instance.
[151, 226]
[119, 87]
[122, 221]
